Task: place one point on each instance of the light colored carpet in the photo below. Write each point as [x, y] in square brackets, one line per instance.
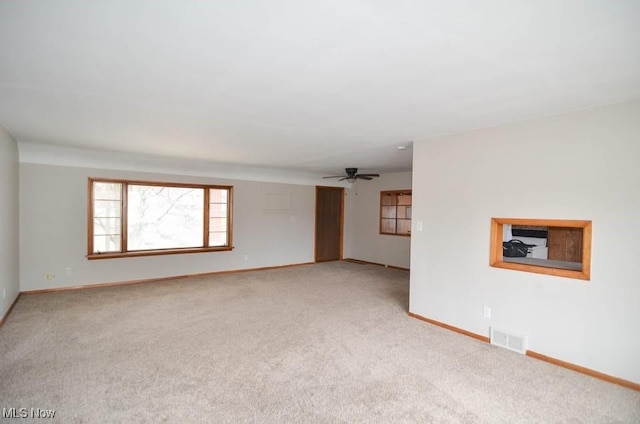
[329, 342]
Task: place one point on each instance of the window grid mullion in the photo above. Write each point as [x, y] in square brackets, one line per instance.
[124, 217]
[90, 218]
[205, 236]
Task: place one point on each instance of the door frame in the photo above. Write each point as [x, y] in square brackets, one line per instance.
[315, 222]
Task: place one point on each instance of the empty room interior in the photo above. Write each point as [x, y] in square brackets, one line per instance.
[338, 211]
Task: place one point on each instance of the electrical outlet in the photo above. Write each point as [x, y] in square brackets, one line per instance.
[49, 276]
[246, 258]
[487, 312]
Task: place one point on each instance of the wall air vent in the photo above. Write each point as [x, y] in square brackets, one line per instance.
[509, 340]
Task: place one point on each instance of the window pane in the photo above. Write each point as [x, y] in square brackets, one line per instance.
[106, 216]
[218, 239]
[388, 199]
[388, 211]
[107, 191]
[164, 217]
[388, 225]
[106, 226]
[104, 244]
[402, 212]
[404, 199]
[218, 195]
[218, 224]
[218, 214]
[217, 210]
[106, 208]
[404, 226]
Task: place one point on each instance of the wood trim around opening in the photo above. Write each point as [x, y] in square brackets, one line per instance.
[124, 252]
[315, 223]
[382, 194]
[495, 249]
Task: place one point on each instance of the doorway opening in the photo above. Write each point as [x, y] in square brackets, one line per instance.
[329, 223]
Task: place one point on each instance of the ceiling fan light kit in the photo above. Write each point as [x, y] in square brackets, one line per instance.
[352, 175]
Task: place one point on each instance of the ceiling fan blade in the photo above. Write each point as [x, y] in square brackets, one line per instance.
[363, 177]
[368, 175]
[343, 178]
[335, 176]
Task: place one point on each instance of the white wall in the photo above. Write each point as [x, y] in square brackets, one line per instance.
[9, 241]
[362, 222]
[582, 165]
[53, 230]
[53, 154]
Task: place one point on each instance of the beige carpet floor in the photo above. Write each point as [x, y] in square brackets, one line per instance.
[329, 342]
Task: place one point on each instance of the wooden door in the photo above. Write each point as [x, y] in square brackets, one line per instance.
[329, 218]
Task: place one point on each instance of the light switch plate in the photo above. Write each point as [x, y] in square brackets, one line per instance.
[487, 312]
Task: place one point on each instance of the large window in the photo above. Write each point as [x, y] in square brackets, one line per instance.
[136, 218]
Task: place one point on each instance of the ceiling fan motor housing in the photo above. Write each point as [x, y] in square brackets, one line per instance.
[352, 174]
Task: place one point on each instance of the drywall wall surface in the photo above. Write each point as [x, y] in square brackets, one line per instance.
[59, 155]
[53, 230]
[9, 219]
[581, 165]
[362, 222]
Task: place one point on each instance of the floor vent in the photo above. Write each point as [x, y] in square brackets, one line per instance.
[509, 340]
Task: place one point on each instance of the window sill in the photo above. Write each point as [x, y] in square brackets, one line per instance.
[523, 265]
[157, 252]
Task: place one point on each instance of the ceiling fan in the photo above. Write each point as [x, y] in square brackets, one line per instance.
[352, 174]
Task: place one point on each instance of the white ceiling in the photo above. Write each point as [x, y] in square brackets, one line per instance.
[303, 85]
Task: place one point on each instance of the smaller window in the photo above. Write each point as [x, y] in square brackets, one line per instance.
[552, 246]
[395, 212]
